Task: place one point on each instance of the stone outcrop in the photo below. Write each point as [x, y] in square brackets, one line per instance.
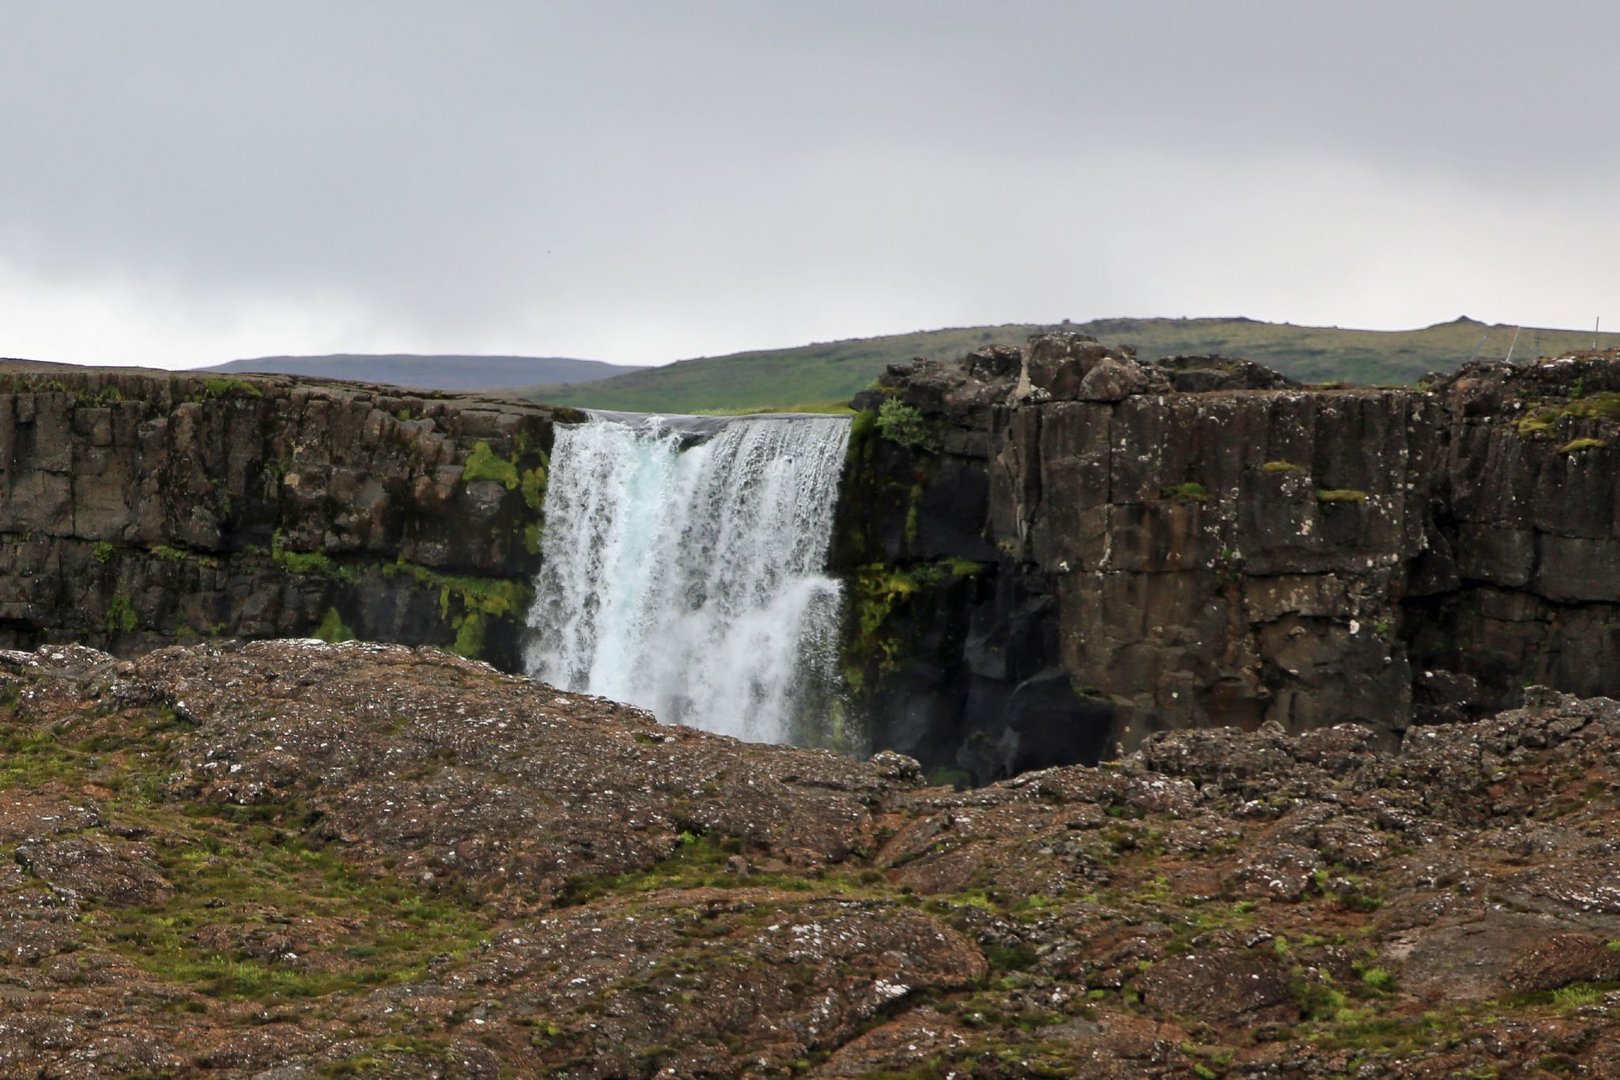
[142, 508]
[1198, 543]
[294, 859]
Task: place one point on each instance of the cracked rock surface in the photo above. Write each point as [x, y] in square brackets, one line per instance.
[288, 859]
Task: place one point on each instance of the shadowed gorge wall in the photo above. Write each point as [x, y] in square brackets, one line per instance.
[1196, 543]
[139, 509]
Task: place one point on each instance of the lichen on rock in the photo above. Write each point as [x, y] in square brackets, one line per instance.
[239, 859]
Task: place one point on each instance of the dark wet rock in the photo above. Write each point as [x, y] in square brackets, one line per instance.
[143, 508]
[1200, 543]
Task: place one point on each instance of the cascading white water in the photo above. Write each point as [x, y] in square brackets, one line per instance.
[687, 577]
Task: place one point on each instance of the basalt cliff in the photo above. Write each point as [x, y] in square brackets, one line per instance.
[1049, 552]
[1056, 551]
[139, 509]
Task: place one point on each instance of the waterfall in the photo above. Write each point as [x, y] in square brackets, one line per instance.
[681, 570]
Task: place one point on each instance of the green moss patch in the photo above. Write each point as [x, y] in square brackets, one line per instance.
[258, 910]
[333, 629]
[310, 563]
[881, 591]
[467, 603]
[121, 618]
[484, 464]
[259, 913]
[1601, 406]
[1191, 491]
[698, 861]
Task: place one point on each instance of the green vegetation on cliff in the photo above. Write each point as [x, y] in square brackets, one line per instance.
[832, 372]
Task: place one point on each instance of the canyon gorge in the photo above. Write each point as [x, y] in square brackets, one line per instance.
[1045, 554]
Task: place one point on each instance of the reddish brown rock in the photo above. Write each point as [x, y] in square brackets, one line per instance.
[285, 859]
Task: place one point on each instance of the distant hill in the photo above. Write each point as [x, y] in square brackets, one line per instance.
[434, 372]
[1317, 354]
[825, 374]
[829, 373]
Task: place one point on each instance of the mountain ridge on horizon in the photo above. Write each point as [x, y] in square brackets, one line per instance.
[432, 371]
[825, 374]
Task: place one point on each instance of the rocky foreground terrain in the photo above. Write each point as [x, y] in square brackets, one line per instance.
[293, 859]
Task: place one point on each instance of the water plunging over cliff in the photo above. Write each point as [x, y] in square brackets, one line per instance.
[682, 570]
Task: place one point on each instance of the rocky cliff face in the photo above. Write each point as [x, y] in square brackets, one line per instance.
[1196, 543]
[138, 509]
[1052, 552]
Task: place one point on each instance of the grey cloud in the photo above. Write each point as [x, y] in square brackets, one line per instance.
[718, 175]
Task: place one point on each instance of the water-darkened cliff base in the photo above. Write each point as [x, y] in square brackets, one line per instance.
[290, 859]
[1048, 569]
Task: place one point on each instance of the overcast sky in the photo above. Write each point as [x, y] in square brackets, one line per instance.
[185, 182]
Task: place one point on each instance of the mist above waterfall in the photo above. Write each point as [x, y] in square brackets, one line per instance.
[682, 571]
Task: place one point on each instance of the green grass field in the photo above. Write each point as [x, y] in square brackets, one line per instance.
[823, 376]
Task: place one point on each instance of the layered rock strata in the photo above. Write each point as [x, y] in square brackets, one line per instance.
[142, 508]
[1195, 542]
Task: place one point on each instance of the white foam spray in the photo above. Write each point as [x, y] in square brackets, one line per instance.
[687, 577]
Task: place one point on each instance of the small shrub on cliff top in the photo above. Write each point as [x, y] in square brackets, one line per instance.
[905, 424]
[225, 386]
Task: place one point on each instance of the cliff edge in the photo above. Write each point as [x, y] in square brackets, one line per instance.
[1058, 550]
[138, 509]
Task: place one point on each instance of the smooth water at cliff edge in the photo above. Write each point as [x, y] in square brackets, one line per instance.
[686, 577]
